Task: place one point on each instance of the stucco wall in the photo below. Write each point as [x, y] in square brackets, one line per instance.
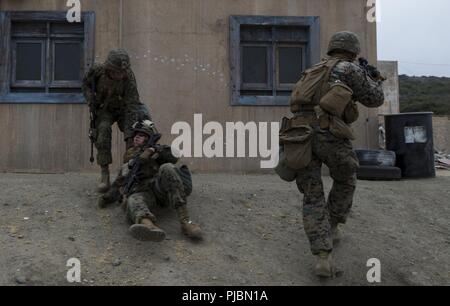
[441, 130]
[53, 138]
[389, 69]
[159, 34]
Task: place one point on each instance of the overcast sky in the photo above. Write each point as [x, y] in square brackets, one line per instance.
[417, 34]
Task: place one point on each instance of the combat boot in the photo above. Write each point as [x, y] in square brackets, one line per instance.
[146, 230]
[104, 180]
[189, 228]
[324, 266]
[336, 232]
[109, 197]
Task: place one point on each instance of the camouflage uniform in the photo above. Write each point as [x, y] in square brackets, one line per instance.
[160, 182]
[115, 101]
[319, 215]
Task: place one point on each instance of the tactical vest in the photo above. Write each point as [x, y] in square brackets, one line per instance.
[314, 101]
[332, 104]
[308, 90]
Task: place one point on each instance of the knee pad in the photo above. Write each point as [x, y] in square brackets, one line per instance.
[167, 170]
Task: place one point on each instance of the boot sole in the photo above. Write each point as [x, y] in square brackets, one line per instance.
[324, 274]
[103, 189]
[193, 236]
[143, 233]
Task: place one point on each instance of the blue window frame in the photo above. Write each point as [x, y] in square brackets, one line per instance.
[45, 56]
[268, 55]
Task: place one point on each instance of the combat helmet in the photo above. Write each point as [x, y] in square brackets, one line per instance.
[118, 59]
[344, 41]
[147, 127]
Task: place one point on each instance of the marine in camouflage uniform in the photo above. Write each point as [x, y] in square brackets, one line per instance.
[323, 218]
[161, 182]
[112, 90]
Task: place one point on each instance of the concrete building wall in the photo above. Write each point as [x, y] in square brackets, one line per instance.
[389, 69]
[160, 34]
[441, 130]
[53, 138]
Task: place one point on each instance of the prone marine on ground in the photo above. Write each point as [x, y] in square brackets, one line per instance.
[324, 106]
[150, 177]
[111, 92]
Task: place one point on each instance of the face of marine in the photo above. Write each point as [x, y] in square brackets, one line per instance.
[140, 139]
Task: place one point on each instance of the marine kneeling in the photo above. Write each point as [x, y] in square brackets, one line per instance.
[151, 177]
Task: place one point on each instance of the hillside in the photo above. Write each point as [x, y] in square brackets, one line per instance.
[419, 94]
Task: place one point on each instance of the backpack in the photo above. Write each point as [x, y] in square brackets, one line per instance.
[311, 85]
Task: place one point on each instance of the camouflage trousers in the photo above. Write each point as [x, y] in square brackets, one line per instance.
[166, 189]
[318, 214]
[104, 122]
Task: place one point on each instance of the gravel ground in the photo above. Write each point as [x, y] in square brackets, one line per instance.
[253, 234]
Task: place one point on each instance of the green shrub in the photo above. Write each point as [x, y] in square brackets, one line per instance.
[425, 94]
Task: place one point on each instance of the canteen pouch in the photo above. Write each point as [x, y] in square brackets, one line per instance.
[337, 98]
[297, 142]
[284, 172]
[351, 113]
[340, 129]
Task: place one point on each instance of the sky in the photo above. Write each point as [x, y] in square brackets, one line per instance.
[416, 33]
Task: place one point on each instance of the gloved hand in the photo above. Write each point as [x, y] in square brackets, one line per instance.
[375, 73]
[148, 152]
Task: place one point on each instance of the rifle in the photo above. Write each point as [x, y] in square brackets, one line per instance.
[93, 118]
[133, 178]
[371, 70]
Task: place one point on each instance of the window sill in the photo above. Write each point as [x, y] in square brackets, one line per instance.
[260, 101]
[42, 98]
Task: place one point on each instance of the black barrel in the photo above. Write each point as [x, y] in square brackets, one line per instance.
[410, 136]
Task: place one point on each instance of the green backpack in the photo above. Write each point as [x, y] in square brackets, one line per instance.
[311, 85]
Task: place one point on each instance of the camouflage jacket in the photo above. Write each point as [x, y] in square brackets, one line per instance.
[149, 166]
[115, 96]
[365, 90]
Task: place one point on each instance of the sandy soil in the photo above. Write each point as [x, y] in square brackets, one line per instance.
[253, 234]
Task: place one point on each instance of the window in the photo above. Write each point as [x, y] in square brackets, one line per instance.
[268, 55]
[45, 57]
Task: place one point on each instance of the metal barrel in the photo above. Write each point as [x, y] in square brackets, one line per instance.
[410, 136]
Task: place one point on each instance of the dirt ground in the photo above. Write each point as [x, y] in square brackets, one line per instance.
[253, 234]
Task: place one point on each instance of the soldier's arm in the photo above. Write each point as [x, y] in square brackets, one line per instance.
[165, 155]
[131, 94]
[365, 90]
[137, 110]
[88, 83]
[162, 155]
[114, 193]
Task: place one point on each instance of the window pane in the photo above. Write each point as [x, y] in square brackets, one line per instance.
[67, 61]
[67, 28]
[291, 34]
[256, 92]
[290, 64]
[28, 28]
[254, 65]
[65, 90]
[27, 90]
[28, 61]
[251, 33]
